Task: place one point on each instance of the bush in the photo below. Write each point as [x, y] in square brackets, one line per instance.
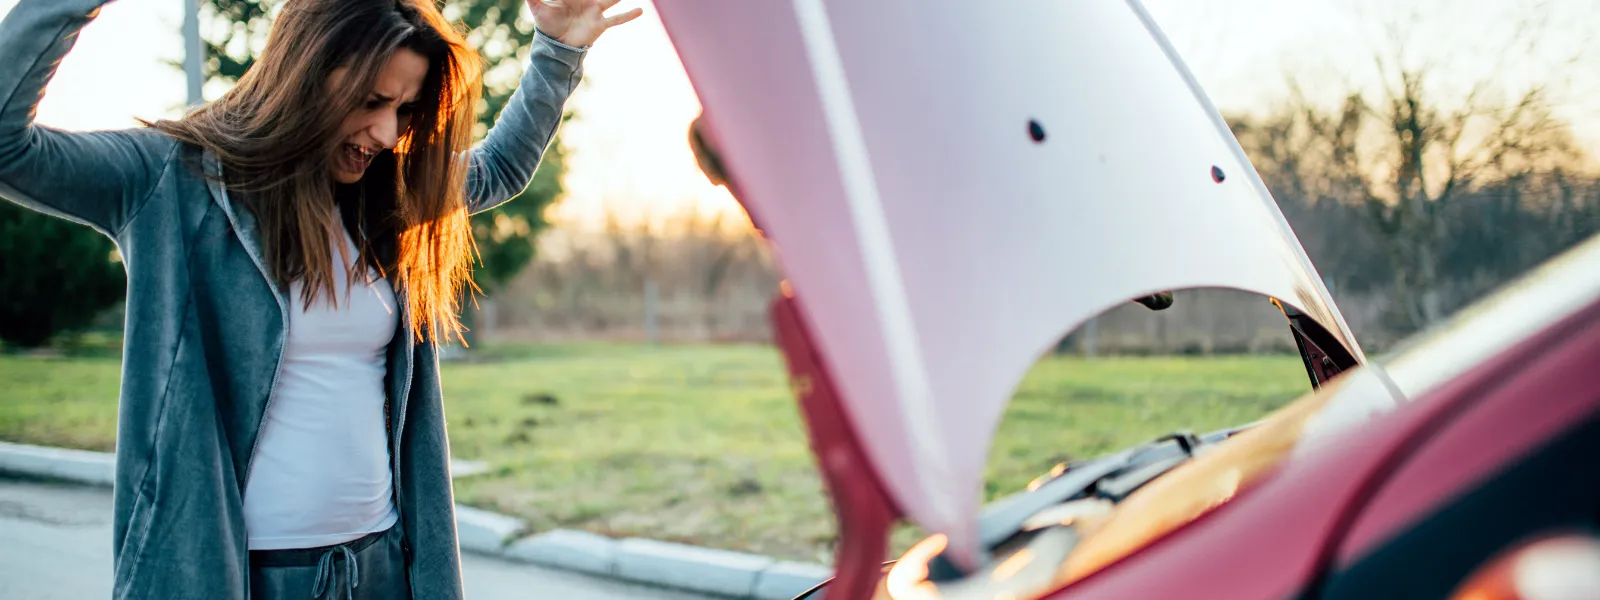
[55, 276]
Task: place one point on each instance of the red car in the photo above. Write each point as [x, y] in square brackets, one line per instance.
[950, 190]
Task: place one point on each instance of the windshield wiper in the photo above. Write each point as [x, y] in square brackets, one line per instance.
[1112, 477]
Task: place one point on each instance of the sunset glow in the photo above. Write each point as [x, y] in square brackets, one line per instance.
[628, 154]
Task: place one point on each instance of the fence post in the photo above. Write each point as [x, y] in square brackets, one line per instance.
[652, 312]
[489, 319]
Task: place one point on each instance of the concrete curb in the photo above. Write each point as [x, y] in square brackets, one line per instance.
[721, 573]
[82, 466]
[485, 532]
[580, 551]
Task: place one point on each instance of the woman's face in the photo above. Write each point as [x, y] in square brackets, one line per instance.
[377, 124]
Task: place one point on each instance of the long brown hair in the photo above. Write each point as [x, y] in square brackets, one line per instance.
[277, 131]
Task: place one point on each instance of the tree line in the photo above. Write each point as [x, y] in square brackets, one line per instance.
[1422, 198]
[1393, 193]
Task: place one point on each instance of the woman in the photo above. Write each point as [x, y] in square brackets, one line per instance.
[295, 251]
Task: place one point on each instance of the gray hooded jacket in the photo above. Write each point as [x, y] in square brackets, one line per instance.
[206, 325]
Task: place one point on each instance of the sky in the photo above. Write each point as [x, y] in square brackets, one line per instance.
[627, 150]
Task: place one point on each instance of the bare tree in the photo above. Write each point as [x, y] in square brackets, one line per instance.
[1406, 152]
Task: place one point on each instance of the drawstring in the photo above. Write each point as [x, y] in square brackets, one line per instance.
[352, 572]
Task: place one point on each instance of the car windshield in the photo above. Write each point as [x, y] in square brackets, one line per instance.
[1103, 532]
[1318, 420]
[1214, 477]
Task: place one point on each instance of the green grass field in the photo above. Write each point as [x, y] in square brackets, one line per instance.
[702, 444]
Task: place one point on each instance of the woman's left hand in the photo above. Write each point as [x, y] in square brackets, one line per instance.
[577, 22]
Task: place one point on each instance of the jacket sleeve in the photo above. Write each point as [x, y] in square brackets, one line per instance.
[502, 165]
[97, 178]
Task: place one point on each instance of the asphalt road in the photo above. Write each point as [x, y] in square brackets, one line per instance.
[55, 544]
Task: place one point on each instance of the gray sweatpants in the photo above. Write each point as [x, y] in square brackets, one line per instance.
[373, 566]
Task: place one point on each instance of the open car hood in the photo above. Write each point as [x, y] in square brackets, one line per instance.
[951, 189]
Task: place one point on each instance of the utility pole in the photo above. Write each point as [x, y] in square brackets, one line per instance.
[194, 52]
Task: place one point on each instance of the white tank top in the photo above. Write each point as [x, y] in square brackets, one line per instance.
[321, 473]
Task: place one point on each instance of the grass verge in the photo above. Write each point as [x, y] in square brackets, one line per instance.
[702, 444]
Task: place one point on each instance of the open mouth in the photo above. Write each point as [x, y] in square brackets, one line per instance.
[356, 158]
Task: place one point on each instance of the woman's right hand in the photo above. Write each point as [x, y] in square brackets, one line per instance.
[577, 23]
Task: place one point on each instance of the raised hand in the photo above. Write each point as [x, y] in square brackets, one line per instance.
[577, 22]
